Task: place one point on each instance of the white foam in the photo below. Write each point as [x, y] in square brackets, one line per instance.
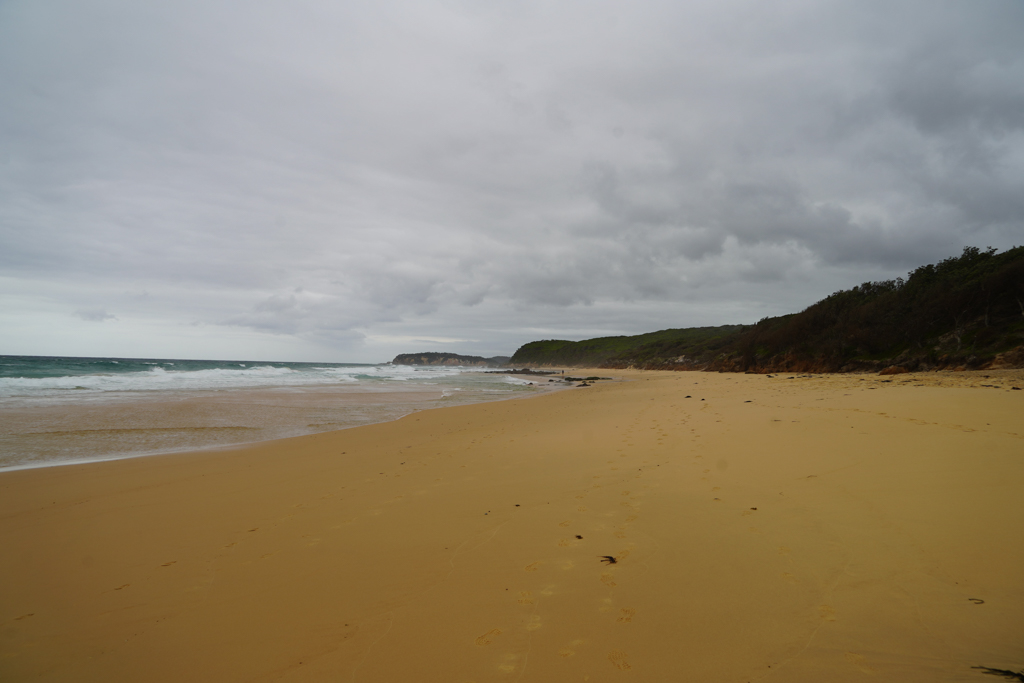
[256, 376]
[518, 381]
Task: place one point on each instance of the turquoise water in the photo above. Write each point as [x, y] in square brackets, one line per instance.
[61, 410]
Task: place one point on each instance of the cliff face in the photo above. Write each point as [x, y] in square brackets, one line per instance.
[453, 359]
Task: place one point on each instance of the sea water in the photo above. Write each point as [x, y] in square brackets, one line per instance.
[61, 410]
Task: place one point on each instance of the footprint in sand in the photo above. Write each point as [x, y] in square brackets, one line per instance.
[525, 598]
[26, 616]
[508, 667]
[608, 580]
[532, 567]
[857, 661]
[618, 660]
[626, 615]
[581, 508]
[566, 652]
[488, 638]
[534, 623]
[565, 542]
[565, 523]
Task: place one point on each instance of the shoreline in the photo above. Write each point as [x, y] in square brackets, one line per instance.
[187, 421]
[823, 528]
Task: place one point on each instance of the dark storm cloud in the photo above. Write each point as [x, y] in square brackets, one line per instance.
[342, 175]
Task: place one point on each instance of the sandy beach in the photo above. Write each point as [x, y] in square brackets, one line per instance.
[661, 527]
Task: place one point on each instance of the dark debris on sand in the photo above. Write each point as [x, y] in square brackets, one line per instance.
[1005, 673]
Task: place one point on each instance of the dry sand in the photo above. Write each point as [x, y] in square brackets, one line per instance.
[840, 528]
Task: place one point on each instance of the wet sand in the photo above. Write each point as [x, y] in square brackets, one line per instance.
[129, 424]
[838, 528]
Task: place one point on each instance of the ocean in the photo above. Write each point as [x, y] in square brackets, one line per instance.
[62, 410]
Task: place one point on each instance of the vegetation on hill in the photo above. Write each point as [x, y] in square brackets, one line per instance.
[595, 352]
[961, 312]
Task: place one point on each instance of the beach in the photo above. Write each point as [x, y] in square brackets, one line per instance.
[55, 411]
[657, 527]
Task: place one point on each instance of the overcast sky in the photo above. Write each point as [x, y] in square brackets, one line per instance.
[345, 180]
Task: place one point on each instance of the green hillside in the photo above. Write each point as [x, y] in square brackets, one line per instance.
[961, 312]
[595, 352]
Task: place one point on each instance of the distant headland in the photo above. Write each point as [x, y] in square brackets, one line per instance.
[436, 358]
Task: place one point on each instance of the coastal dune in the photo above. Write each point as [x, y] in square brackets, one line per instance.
[662, 526]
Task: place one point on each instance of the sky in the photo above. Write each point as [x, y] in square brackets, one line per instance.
[346, 180]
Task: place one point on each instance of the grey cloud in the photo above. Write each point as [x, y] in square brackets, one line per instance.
[97, 315]
[339, 173]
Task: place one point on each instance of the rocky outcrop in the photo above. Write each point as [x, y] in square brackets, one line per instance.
[1013, 358]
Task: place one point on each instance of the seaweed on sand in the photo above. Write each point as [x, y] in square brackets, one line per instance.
[1005, 673]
